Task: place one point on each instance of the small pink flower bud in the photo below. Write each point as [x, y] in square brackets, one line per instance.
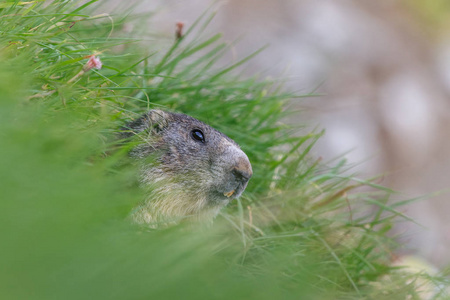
[93, 63]
[179, 30]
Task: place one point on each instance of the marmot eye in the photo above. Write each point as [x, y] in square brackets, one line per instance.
[197, 135]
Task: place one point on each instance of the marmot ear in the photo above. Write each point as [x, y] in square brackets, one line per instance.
[153, 121]
[157, 120]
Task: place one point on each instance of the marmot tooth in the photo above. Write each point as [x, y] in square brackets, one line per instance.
[229, 194]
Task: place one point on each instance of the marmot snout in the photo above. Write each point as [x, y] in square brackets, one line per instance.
[195, 170]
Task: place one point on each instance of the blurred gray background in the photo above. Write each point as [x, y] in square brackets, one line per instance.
[383, 71]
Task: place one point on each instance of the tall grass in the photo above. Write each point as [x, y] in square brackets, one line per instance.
[303, 229]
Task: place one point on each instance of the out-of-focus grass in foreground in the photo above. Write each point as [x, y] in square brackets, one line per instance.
[303, 230]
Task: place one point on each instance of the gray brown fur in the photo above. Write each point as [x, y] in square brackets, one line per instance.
[186, 178]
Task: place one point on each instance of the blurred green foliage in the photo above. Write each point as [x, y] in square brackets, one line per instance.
[432, 15]
[303, 230]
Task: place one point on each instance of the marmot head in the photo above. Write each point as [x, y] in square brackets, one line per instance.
[195, 170]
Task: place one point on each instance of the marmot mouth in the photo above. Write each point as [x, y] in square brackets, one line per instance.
[229, 193]
[233, 192]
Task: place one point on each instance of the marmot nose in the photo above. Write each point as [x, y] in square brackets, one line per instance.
[242, 171]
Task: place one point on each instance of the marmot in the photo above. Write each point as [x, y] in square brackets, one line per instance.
[194, 169]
